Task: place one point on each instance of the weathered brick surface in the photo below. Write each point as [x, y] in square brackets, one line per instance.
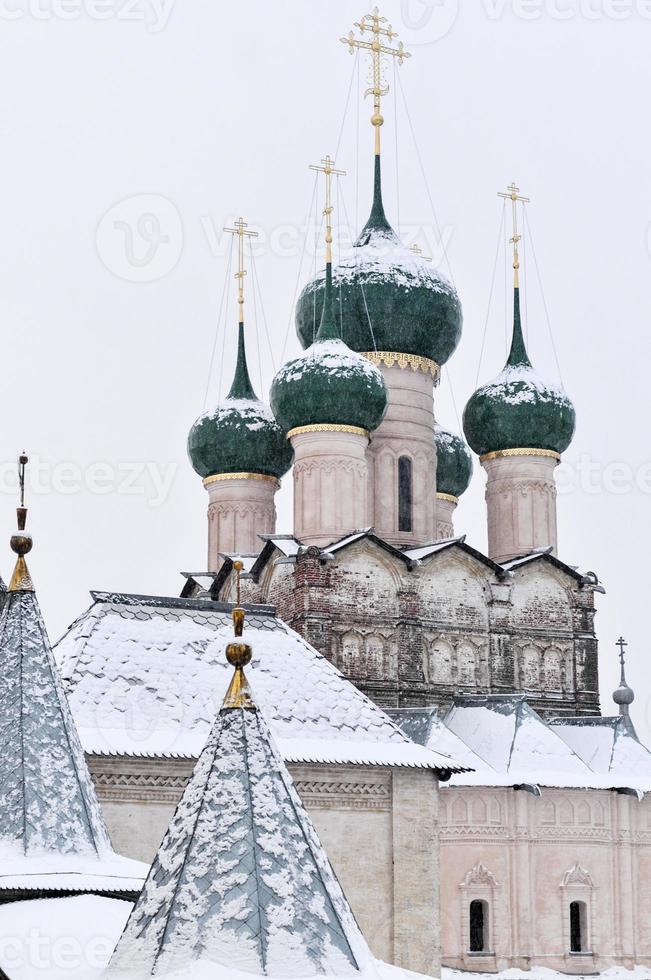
[417, 636]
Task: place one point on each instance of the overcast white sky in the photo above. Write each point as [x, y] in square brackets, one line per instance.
[194, 112]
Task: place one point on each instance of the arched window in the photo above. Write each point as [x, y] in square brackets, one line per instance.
[478, 926]
[578, 927]
[405, 494]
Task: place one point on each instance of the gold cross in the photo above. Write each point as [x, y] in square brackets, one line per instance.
[513, 195]
[327, 167]
[375, 24]
[240, 231]
[417, 250]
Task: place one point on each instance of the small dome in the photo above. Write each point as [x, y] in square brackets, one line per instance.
[329, 384]
[387, 298]
[518, 410]
[240, 435]
[453, 463]
[623, 695]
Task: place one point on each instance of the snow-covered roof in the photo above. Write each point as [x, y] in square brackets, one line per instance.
[425, 726]
[504, 742]
[145, 677]
[241, 878]
[608, 745]
[52, 834]
[514, 740]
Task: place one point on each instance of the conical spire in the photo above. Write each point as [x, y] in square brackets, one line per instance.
[328, 329]
[241, 387]
[377, 220]
[241, 879]
[518, 354]
[47, 799]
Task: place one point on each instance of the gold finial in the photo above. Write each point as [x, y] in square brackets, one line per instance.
[327, 167]
[417, 250]
[379, 29]
[238, 655]
[513, 194]
[242, 233]
[21, 543]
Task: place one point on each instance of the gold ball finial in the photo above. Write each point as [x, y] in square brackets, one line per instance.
[21, 544]
[238, 654]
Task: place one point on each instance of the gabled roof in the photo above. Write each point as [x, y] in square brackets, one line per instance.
[241, 878]
[608, 745]
[504, 742]
[52, 835]
[290, 548]
[143, 675]
[425, 726]
[506, 732]
[437, 547]
[545, 555]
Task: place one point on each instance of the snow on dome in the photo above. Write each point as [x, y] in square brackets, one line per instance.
[241, 434]
[329, 384]
[386, 297]
[517, 410]
[453, 463]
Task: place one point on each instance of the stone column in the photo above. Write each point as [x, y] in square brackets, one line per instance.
[406, 430]
[416, 872]
[445, 506]
[330, 482]
[520, 501]
[240, 507]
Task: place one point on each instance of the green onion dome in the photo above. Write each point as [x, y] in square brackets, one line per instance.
[387, 298]
[329, 384]
[241, 434]
[453, 463]
[518, 410]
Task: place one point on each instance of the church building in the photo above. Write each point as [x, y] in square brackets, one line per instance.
[428, 715]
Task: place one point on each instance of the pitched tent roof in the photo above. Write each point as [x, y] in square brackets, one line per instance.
[512, 738]
[608, 746]
[241, 879]
[52, 835]
[144, 674]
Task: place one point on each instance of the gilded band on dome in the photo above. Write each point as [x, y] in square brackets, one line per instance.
[550, 453]
[218, 477]
[326, 427]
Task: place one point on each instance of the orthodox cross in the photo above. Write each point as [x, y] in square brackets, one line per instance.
[239, 229]
[327, 167]
[513, 195]
[621, 643]
[379, 30]
[417, 250]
